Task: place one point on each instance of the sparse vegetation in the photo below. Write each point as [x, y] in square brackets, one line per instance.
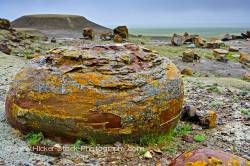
[169, 149]
[34, 138]
[92, 141]
[163, 139]
[217, 104]
[199, 138]
[78, 143]
[139, 40]
[245, 111]
[172, 51]
[213, 88]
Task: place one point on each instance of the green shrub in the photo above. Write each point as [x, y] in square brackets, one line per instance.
[199, 138]
[34, 138]
[78, 144]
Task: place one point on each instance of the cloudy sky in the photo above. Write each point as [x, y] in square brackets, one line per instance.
[140, 13]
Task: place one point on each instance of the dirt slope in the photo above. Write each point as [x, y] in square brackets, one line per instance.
[58, 25]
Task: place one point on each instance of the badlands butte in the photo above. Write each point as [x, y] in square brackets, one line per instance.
[73, 92]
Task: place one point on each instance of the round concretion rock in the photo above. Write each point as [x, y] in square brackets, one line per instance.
[101, 91]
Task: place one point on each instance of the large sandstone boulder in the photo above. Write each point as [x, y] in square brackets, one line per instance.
[100, 91]
[4, 23]
[121, 31]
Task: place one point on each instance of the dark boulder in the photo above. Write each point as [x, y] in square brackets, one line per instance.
[121, 31]
[88, 33]
[4, 48]
[4, 24]
[236, 37]
[227, 37]
[53, 40]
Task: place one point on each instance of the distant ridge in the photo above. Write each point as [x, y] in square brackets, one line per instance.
[58, 24]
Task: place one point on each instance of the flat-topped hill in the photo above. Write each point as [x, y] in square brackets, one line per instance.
[57, 23]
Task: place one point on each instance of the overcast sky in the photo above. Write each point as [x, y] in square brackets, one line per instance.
[139, 13]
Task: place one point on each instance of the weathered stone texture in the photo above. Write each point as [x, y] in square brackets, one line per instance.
[106, 91]
[208, 157]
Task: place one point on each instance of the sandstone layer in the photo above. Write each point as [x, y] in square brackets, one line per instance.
[101, 91]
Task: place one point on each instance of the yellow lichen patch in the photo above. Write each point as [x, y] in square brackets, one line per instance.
[72, 53]
[211, 117]
[187, 155]
[91, 78]
[118, 84]
[56, 51]
[213, 161]
[197, 163]
[234, 162]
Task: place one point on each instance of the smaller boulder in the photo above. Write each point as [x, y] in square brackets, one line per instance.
[190, 56]
[118, 39]
[186, 34]
[189, 114]
[4, 24]
[244, 59]
[198, 41]
[227, 37]
[122, 31]
[214, 43]
[244, 35]
[236, 37]
[233, 49]
[209, 120]
[88, 33]
[248, 34]
[188, 138]
[4, 48]
[187, 71]
[218, 53]
[177, 40]
[246, 76]
[147, 155]
[53, 40]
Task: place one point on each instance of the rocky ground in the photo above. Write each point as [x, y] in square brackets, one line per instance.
[215, 86]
